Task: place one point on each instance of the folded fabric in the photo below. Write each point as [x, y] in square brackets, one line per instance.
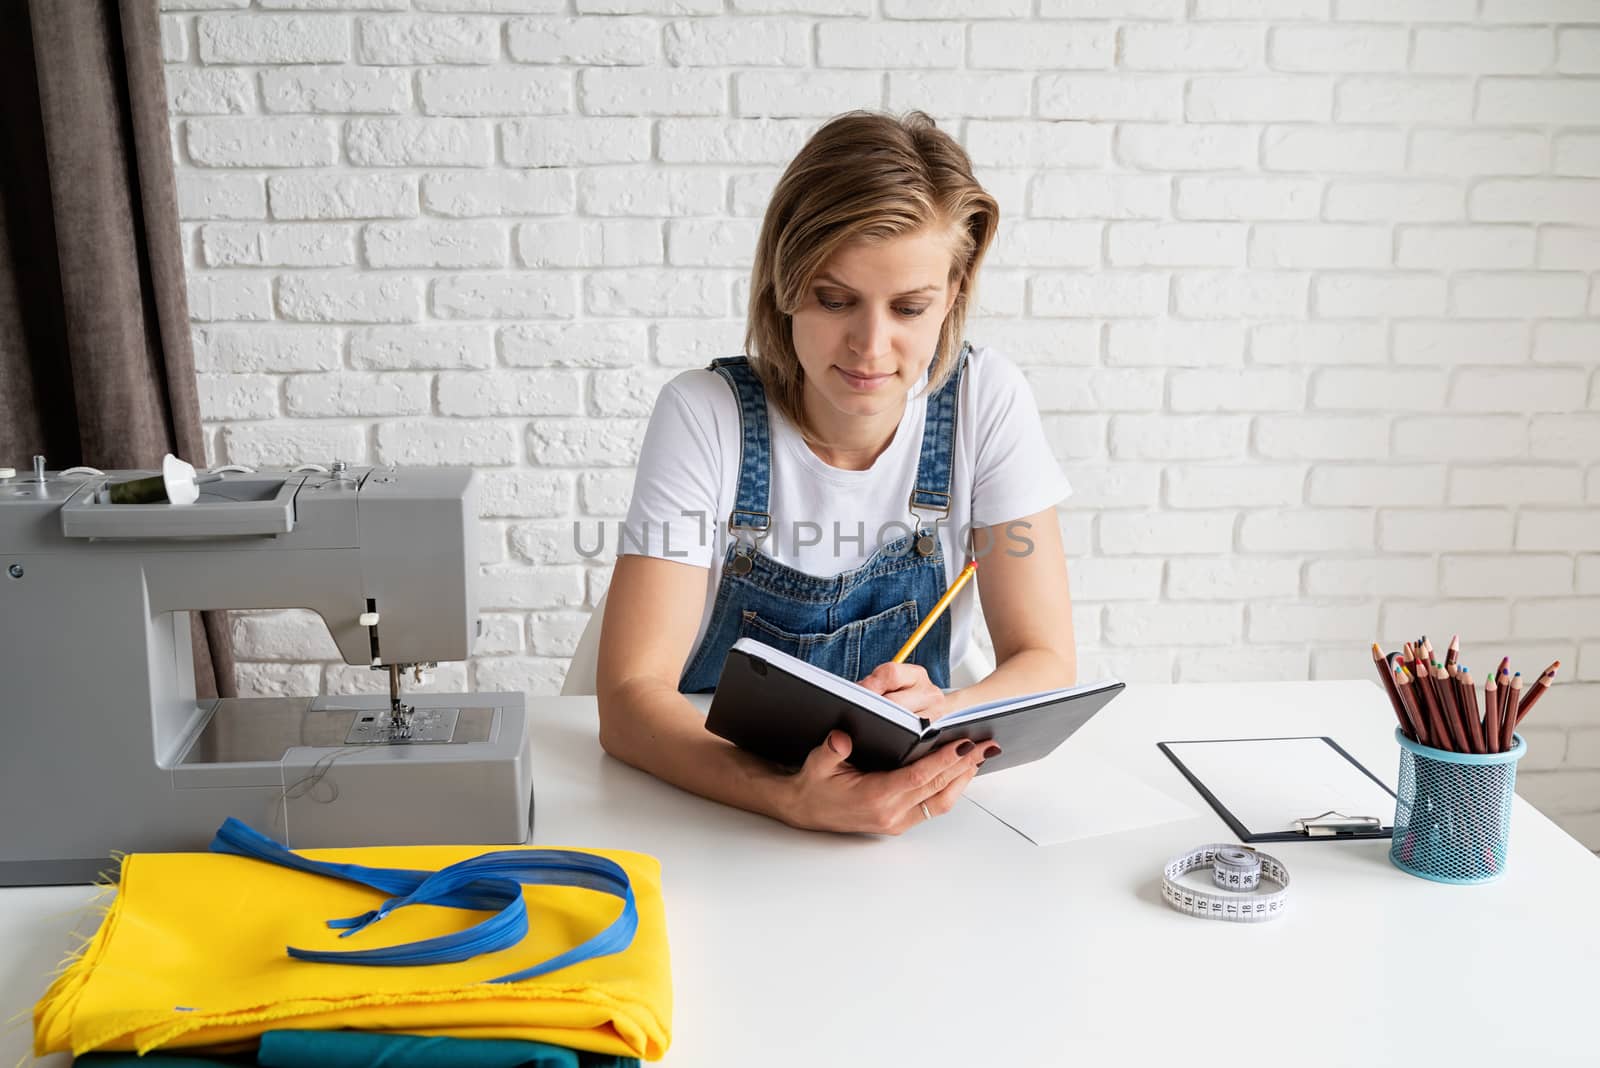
[361, 1049]
[192, 956]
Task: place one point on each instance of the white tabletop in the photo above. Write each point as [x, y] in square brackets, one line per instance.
[961, 943]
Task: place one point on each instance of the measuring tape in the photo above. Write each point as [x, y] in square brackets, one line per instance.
[1235, 868]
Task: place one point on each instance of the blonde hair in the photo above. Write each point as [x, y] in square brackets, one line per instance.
[863, 176]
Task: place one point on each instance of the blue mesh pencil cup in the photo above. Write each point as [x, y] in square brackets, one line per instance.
[1452, 813]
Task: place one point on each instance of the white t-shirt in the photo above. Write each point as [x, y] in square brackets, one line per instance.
[826, 520]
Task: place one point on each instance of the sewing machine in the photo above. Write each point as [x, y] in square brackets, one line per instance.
[106, 748]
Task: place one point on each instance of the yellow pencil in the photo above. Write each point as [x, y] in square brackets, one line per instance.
[933, 614]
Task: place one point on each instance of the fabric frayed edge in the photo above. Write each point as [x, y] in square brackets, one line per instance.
[71, 973]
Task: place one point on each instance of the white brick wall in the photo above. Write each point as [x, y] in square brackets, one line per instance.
[1308, 292]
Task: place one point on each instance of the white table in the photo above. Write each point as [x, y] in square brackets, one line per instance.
[961, 943]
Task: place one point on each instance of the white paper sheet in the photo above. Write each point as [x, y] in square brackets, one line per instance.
[1066, 797]
[1268, 783]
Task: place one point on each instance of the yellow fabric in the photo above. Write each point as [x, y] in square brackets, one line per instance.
[191, 954]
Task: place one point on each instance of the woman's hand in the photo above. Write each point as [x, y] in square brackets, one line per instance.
[908, 686]
[827, 794]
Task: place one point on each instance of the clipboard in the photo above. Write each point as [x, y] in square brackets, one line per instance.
[1321, 792]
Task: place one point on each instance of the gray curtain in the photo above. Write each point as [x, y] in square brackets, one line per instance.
[96, 365]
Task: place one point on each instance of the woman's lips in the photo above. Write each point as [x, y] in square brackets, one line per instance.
[862, 382]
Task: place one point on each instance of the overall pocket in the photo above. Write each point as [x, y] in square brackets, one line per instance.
[838, 651]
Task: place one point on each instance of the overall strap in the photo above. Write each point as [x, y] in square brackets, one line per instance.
[935, 468]
[755, 448]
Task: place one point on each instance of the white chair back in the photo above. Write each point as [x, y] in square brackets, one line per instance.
[580, 678]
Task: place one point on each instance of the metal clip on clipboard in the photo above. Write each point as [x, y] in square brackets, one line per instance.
[1333, 823]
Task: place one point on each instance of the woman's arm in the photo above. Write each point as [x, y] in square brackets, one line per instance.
[1027, 604]
[1022, 579]
[653, 609]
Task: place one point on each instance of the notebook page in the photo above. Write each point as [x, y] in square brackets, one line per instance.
[834, 684]
[1004, 704]
[1268, 783]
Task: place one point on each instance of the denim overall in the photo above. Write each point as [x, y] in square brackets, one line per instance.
[851, 622]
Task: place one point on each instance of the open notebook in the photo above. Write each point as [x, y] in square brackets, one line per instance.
[780, 707]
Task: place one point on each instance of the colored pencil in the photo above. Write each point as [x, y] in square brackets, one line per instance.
[1408, 698]
[1502, 680]
[1471, 728]
[1420, 693]
[1388, 687]
[1546, 679]
[1509, 713]
[1469, 713]
[1438, 733]
[1491, 728]
[1493, 707]
[1447, 707]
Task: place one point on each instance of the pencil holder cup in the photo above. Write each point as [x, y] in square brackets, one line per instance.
[1452, 813]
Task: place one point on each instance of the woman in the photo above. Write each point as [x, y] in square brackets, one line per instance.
[849, 467]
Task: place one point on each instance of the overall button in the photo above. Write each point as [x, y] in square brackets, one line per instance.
[740, 565]
[926, 544]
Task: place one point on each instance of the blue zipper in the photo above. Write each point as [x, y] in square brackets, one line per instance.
[489, 882]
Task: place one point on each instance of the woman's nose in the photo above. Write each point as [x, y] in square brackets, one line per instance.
[871, 334]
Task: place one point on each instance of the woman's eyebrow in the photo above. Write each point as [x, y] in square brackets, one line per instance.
[910, 292]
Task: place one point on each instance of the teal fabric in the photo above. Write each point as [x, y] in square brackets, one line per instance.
[361, 1049]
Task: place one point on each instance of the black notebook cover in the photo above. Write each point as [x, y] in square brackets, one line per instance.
[762, 708]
